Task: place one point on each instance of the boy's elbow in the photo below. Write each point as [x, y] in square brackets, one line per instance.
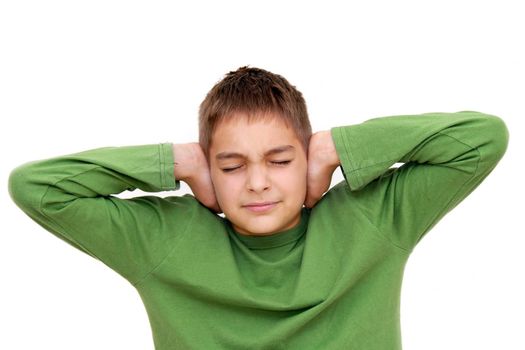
[492, 138]
[19, 186]
[499, 135]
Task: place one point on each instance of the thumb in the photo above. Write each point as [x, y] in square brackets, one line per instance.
[312, 197]
[318, 182]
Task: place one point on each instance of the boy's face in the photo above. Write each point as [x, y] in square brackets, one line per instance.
[267, 165]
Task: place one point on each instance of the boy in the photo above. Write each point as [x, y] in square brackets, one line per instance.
[271, 273]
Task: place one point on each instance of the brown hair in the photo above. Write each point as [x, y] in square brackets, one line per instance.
[255, 92]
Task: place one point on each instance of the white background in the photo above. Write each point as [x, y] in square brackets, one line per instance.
[77, 75]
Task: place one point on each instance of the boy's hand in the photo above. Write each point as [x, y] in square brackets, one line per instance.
[322, 162]
[191, 167]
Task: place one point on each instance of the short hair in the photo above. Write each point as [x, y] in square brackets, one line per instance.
[254, 92]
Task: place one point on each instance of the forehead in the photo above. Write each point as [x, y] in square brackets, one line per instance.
[252, 137]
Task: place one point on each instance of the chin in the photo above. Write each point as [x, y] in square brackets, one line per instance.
[258, 228]
[264, 231]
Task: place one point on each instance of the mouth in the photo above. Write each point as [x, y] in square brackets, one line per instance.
[260, 207]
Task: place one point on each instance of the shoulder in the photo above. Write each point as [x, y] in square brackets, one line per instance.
[188, 208]
[178, 209]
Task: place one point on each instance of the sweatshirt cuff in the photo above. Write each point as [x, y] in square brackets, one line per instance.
[346, 158]
[167, 167]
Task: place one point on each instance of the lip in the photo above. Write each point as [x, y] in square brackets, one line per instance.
[260, 207]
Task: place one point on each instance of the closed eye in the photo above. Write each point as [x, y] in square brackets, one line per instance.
[277, 163]
[227, 170]
[282, 162]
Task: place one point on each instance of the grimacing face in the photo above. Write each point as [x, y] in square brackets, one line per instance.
[258, 170]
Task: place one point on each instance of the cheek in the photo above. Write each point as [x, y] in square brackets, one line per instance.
[294, 182]
[298, 186]
[300, 179]
[226, 188]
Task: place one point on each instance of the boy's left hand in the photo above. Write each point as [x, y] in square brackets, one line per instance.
[322, 162]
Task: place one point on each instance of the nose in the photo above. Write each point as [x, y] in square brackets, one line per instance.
[257, 179]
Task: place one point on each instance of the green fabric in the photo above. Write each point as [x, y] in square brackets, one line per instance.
[331, 282]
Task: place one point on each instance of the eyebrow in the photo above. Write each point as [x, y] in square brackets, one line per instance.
[276, 150]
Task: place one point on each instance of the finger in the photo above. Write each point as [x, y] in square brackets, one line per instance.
[207, 192]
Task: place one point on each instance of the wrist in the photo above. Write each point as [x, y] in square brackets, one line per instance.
[188, 158]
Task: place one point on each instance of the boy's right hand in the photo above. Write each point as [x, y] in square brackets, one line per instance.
[192, 167]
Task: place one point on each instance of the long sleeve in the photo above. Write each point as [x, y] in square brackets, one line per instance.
[71, 197]
[445, 155]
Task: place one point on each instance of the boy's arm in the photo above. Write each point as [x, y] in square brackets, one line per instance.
[446, 156]
[71, 197]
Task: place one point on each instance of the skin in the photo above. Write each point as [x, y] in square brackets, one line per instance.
[256, 162]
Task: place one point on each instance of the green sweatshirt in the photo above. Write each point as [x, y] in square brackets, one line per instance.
[331, 282]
